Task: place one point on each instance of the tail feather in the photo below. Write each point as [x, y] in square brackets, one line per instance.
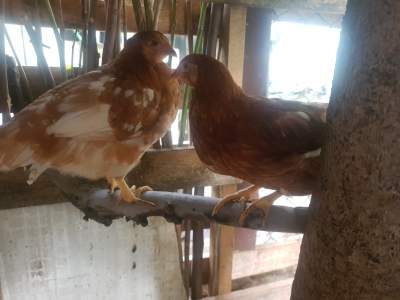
[13, 153]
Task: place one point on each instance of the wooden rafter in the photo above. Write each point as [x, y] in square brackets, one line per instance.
[15, 13]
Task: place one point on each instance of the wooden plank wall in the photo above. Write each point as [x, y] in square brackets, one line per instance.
[17, 9]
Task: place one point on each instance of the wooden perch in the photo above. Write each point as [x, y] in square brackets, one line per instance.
[103, 207]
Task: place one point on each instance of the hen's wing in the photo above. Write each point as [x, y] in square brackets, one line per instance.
[94, 107]
[287, 127]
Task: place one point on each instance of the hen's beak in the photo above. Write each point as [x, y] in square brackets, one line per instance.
[172, 52]
[177, 75]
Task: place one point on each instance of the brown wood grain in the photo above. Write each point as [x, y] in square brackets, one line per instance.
[16, 10]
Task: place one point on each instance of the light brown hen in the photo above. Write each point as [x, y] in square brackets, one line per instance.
[99, 124]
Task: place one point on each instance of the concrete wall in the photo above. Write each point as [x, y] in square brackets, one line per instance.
[49, 252]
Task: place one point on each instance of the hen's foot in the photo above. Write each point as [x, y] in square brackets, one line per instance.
[133, 194]
[240, 196]
[264, 204]
[138, 192]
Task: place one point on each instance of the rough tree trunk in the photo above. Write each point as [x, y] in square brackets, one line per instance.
[351, 249]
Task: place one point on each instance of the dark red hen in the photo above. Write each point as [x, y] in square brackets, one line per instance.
[270, 143]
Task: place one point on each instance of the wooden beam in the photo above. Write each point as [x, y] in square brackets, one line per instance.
[221, 250]
[226, 244]
[317, 6]
[223, 236]
[257, 51]
[237, 34]
[255, 82]
[17, 9]
[166, 170]
[265, 259]
[198, 247]
[310, 11]
[271, 291]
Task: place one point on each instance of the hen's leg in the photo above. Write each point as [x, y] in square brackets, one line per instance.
[113, 184]
[131, 195]
[240, 196]
[264, 203]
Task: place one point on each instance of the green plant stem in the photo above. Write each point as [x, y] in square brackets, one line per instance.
[198, 48]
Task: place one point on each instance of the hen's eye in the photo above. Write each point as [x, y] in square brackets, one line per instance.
[153, 43]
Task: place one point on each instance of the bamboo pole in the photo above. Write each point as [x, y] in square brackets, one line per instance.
[35, 37]
[138, 11]
[157, 6]
[92, 52]
[189, 24]
[183, 122]
[124, 22]
[24, 82]
[148, 13]
[4, 95]
[111, 30]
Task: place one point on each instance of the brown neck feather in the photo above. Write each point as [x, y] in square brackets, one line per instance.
[217, 87]
[134, 64]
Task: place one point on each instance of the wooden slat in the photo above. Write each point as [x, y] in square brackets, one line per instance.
[237, 33]
[257, 51]
[198, 247]
[279, 290]
[16, 10]
[221, 251]
[223, 236]
[227, 237]
[318, 6]
[166, 170]
[265, 259]
[255, 81]
[310, 11]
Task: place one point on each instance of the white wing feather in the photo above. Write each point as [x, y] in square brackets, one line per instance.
[90, 123]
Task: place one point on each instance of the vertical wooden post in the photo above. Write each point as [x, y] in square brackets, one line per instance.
[221, 251]
[255, 82]
[237, 34]
[351, 249]
[256, 59]
[198, 246]
[4, 96]
[222, 237]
